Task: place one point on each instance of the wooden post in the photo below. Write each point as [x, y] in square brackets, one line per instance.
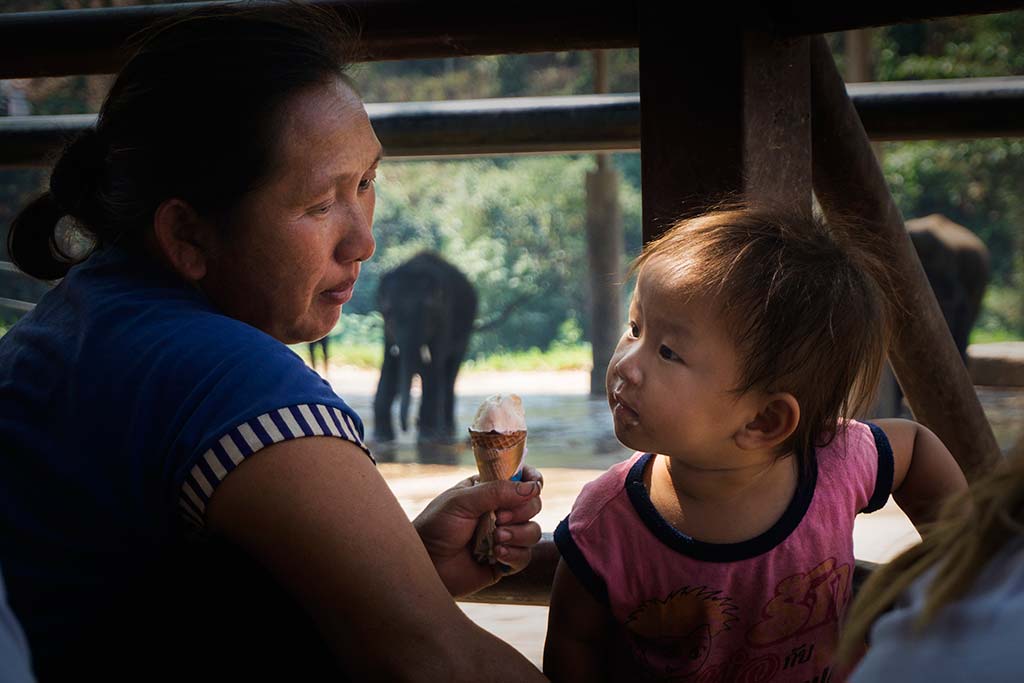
[604, 251]
[848, 181]
[724, 114]
[860, 69]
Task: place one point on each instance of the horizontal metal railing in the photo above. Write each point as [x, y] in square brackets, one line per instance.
[16, 305]
[980, 107]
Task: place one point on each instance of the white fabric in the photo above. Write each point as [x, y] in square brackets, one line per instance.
[977, 639]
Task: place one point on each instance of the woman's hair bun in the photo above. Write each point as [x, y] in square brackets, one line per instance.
[30, 239]
[74, 184]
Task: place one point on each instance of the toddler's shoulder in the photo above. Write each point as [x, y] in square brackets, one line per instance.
[596, 496]
[858, 461]
[854, 440]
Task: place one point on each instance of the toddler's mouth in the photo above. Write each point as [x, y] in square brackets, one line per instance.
[623, 412]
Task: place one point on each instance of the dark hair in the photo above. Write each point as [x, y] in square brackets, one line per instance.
[191, 115]
[805, 302]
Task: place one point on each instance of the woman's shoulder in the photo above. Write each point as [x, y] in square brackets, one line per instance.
[132, 332]
[130, 303]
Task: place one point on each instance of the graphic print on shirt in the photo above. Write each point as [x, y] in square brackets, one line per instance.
[673, 637]
[803, 602]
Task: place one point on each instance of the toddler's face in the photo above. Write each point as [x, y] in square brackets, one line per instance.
[671, 377]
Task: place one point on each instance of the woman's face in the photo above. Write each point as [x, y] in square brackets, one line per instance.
[290, 257]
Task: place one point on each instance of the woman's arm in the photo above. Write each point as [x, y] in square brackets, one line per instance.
[317, 513]
[579, 632]
[924, 471]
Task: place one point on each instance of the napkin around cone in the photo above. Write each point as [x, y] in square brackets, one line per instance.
[499, 456]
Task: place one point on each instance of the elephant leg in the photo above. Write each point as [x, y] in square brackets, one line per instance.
[451, 372]
[323, 346]
[387, 388]
[432, 402]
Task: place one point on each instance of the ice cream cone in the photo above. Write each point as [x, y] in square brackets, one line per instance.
[499, 456]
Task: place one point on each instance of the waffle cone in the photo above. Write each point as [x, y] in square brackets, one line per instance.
[498, 457]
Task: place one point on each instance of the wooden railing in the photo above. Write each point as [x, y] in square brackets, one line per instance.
[957, 108]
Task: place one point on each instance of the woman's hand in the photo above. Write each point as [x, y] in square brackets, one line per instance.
[448, 523]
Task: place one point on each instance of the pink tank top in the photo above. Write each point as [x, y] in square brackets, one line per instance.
[765, 609]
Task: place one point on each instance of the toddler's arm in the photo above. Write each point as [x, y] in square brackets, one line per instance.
[924, 472]
[579, 631]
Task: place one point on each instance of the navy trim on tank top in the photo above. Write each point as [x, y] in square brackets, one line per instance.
[886, 467]
[719, 552]
[581, 569]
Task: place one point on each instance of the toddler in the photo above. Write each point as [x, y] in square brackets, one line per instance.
[723, 549]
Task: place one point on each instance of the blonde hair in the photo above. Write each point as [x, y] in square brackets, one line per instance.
[805, 301]
[971, 528]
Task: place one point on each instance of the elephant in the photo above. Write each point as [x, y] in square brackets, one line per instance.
[429, 308]
[322, 345]
[956, 263]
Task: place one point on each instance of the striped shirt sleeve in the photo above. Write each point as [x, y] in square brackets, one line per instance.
[282, 424]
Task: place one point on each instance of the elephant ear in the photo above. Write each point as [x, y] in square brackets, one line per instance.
[384, 298]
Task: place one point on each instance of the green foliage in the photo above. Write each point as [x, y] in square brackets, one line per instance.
[517, 75]
[975, 183]
[513, 226]
[959, 47]
[557, 358]
[1002, 316]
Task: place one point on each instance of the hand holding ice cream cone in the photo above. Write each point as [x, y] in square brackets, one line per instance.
[498, 436]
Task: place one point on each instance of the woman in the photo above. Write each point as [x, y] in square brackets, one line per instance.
[952, 607]
[181, 496]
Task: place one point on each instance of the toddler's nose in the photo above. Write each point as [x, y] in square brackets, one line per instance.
[628, 369]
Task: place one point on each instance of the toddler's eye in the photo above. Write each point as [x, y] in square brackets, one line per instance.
[634, 330]
[667, 353]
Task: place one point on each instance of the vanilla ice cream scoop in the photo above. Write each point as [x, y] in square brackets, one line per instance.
[498, 436]
[501, 413]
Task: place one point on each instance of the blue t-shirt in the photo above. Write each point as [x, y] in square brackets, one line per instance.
[14, 658]
[125, 399]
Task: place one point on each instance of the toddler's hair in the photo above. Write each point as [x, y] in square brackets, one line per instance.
[805, 302]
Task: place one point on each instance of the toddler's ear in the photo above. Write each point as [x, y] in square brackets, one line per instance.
[777, 419]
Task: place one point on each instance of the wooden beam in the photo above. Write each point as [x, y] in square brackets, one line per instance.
[63, 42]
[725, 114]
[803, 17]
[532, 586]
[849, 182]
[957, 108]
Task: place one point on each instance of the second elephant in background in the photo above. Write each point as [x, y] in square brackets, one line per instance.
[956, 262]
[428, 307]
